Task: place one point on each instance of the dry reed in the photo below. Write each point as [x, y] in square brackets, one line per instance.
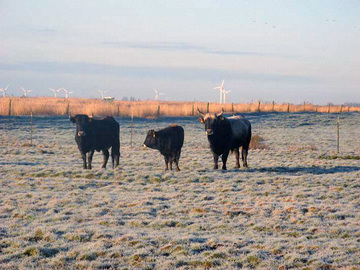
[60, 106]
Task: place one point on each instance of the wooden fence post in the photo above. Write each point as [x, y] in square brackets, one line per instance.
[288, 108]
[31, 128]
[273, 106]
[207, 107]
[68, 108]
[158, 111]
[9, 107]
[258, 109]
[118, 110]
[193, 110]
[232, 108]
[131, 130]
[338, 134]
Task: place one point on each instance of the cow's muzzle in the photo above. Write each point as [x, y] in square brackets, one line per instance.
[81, 133]
[209, 132]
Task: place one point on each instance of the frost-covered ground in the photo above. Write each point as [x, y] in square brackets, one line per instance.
[289, 209]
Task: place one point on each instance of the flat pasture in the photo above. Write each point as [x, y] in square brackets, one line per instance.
[296, 206]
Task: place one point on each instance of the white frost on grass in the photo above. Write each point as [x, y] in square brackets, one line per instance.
[289, 209]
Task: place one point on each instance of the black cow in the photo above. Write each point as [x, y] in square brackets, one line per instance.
[225, 135]
[97, 134]
[169, 142]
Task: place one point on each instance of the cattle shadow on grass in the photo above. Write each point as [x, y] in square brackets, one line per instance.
[298, 170]
[23, 163]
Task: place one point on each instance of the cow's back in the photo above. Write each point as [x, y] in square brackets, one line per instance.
[106, 132]
[172, 136]
[241, 129]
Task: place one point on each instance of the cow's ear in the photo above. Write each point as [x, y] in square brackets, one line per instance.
[154, 134]
[201, 120]
[72, 119]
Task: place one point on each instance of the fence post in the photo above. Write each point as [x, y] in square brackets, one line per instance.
[131, 129]
[193, 110]
[288, 108]
[232, 108]
[338, 133]
[304, 106]
[258, 107]
[158, 111]
[273, 106]
[31, 129]
[329, 109]
[118, 110]
[68, 108]
[9, 107]
[207, 107]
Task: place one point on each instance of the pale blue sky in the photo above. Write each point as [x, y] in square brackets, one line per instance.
[287, 51]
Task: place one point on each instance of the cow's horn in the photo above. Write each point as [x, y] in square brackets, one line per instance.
[200, 112]
[219, 114]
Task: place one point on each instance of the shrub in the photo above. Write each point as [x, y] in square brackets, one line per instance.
[257, 142]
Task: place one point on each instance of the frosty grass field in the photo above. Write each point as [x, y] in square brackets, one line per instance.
[294, 207]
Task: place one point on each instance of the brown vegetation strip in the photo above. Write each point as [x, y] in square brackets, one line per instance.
[60, 106]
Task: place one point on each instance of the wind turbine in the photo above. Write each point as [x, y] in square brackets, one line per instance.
[221, 90]
[55, 91]
[157, 94]
[66, 92]
[102, 92]
[225, 92]
[4, 90]
[25, 91]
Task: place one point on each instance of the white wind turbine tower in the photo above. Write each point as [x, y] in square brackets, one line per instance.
[221, 90]
[66, 92]
[4, 90]
[225, 92]
[25, 91]
[102, 92]
[157, 94]
[55, 91]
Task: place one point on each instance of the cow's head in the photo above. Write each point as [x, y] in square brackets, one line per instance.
[81, 121]
[151, 139]
[211, 121]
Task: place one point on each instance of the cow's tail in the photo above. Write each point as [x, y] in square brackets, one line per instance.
[248, 138]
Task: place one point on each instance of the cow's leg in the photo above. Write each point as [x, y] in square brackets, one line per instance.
[216, 159]
[90, 156]
[177, 161]
[83, 156]
[224, 159]
[244, 153]
[106, 158]
[115, 154]
[115, 157]
[166, 163]
[171, 160]
[237, 154]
